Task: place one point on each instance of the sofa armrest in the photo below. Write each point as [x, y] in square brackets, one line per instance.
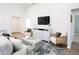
[21, 52]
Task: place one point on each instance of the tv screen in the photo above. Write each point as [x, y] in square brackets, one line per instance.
[44, 20]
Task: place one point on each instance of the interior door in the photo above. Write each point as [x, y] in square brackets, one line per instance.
[15, 24]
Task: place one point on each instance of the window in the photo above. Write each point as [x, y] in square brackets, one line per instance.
[28, 22]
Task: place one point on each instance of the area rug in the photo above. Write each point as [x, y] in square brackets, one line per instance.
[47, 49]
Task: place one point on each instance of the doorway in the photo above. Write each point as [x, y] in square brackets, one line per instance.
[17, 24]
[75, 25]
[75, 29]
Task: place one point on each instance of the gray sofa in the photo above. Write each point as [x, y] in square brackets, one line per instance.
[7, 46]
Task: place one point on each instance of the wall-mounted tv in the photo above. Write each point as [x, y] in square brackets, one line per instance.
[45, 20]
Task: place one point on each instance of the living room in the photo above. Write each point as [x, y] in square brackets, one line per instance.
[22, 24]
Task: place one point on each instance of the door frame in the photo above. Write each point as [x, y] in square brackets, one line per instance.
[73, 26]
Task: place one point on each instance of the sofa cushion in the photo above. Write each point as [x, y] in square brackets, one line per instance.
[17, 44]
[28, 50]
[21, 52]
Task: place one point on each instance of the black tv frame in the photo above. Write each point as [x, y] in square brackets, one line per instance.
[41, 20]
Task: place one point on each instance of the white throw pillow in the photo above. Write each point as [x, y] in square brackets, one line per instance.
[6, 47]
[0, 33]
[17, 43]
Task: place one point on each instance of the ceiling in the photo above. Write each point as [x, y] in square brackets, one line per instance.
[23, 5]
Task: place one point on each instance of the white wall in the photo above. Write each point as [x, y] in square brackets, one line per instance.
[6, 11]
[59, 13]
